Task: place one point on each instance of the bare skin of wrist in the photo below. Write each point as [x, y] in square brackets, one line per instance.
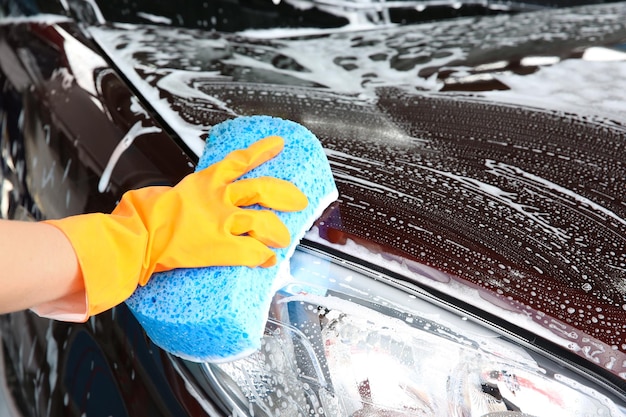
[37, 265]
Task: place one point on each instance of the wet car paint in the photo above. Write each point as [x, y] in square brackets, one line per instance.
[525, 206]
[451, 170]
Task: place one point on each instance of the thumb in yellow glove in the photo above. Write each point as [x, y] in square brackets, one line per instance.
[200, 222]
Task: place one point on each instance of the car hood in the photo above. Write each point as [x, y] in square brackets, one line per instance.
[450, 171]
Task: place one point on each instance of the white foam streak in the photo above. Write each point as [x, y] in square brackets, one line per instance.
[339, 177]
[351, 158]
[347, 74]
[180, 84]
[506, 198]
[137, 130]
[44, 19]
[154, 18]
[83, 62]
[512, 172]
[574, 85]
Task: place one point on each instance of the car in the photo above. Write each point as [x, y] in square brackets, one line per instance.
[474, 263]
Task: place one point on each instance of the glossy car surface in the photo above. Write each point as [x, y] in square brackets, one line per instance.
[480, 161]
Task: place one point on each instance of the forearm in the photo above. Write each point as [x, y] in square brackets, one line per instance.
[37, 265]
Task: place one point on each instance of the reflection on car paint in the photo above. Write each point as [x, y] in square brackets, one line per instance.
[135, 131]
[87, 370]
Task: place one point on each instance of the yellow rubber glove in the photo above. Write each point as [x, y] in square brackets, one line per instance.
[197, 223]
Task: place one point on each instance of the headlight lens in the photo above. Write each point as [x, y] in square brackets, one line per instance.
[342, 343]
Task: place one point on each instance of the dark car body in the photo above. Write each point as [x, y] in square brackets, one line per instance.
[506, 205]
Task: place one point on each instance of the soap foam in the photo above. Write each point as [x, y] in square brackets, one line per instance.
[218, 314]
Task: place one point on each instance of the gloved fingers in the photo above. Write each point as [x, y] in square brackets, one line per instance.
[269, 192]
[234, 251]
[262, 225]
[244, 251]
[254, 253]
[238, 162]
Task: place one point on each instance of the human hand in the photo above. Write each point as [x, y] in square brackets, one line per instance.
[199, 222]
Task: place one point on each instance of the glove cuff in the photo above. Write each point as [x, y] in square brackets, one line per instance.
[110, 250]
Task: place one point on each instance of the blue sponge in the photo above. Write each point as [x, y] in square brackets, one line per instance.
[218, 314]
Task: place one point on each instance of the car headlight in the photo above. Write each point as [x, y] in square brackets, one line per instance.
[343, 342]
